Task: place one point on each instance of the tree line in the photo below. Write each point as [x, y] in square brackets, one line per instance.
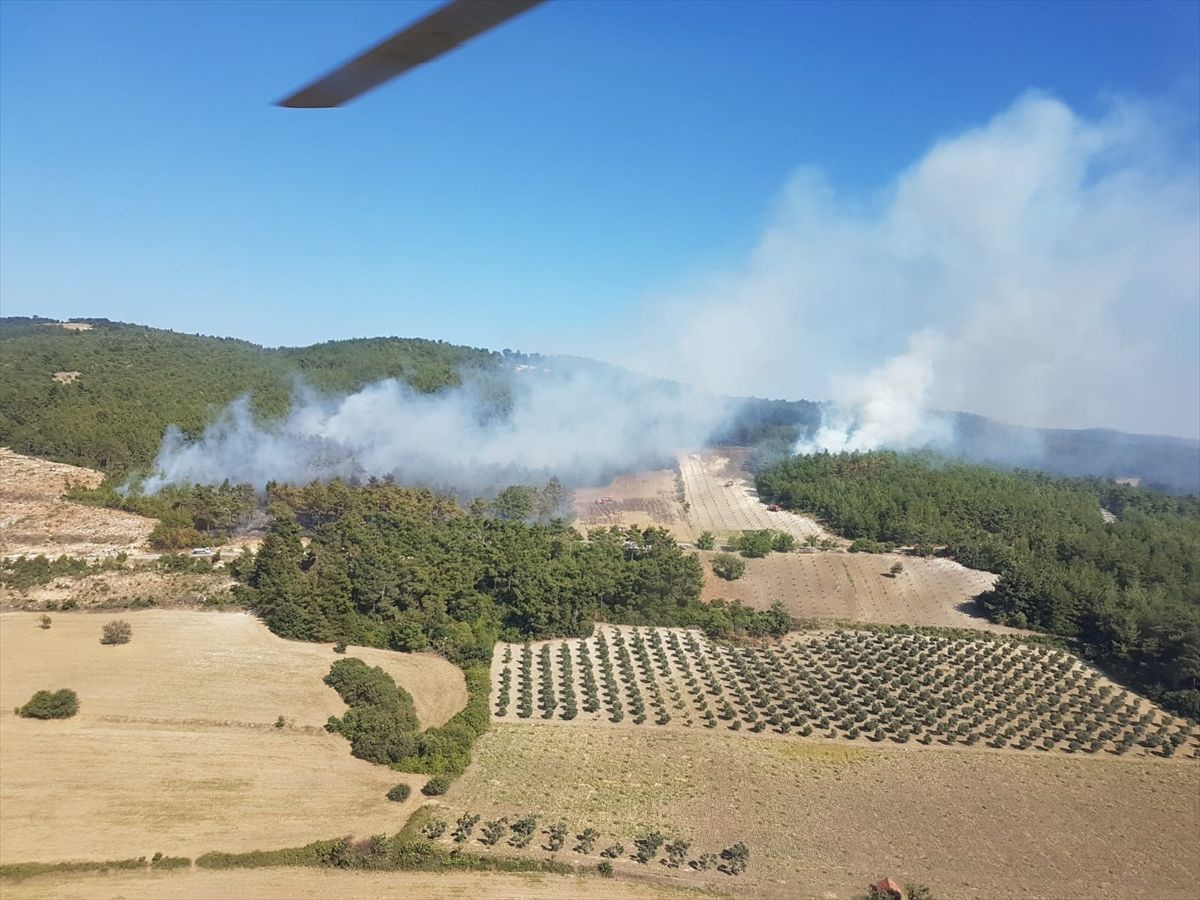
[1128, 591]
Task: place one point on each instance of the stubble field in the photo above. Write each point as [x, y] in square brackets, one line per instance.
[857, 587]
[175, 748]
[821, 820]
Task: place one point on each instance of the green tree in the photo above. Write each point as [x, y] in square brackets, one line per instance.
[60, 704]
[755, 543]
[728, 566]
[706, 541]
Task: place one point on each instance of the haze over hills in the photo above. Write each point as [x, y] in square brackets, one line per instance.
[105, 396]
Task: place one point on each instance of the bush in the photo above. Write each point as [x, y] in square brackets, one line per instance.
[44, 622]
[736, 858]
[706, 541]
[399, 793]
[118, 631]
[647, 846]
[755, 543]
[728, 566]
[51, 705]
[436, 786]
[605, 869]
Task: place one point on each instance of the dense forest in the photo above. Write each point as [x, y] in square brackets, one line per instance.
[134, 381]
[1127, 590]
[390, 566]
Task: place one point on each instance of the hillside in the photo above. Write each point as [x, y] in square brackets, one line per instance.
[101, 394]
[121, 385]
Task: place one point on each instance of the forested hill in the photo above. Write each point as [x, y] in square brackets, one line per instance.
[134, 381]
[1128, 590]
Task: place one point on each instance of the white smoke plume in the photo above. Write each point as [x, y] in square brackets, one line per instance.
[580, 423]
[1041, 269]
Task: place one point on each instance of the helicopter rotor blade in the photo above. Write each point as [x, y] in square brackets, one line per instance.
[439, 32]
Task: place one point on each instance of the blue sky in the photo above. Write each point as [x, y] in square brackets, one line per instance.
[530, 189]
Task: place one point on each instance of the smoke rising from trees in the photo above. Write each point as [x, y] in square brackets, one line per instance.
[582, 423]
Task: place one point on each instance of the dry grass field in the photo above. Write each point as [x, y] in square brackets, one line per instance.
[856, 587]
[821, 820]
[175, 749]
[321, 884]
[34, 519]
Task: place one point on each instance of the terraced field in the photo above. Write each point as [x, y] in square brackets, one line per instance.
[872, 688]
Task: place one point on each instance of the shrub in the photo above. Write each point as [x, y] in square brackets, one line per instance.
[434, 830]
[44, 622]
[736, 858]
[586, 839]
[399, 793]
[706, 541]
[436, 786]
[782, 542]
[558, 837]
[51, 705]
[493, 831]
[755, 543]
[339, 647]
[613, 852]
[118, 631]
[677, 852]
[605, 869]
[523, 830]
[728, 566]
[464, 826]
[646, 846]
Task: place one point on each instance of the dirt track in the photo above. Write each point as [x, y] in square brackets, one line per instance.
[174, 748]
[319, 884]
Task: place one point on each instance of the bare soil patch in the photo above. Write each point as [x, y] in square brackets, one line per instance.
[857, 587]
[320, 884]
[175, 747]
[822, 820]
[641, 499]
[35, 519]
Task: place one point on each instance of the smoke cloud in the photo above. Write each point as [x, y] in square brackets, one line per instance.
[578, 422]
[1041, 269]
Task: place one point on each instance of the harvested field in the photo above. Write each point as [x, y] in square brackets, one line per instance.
[175, 747]
[822, 819]
[857, 587]
[641, 499]
[868, 688]
[319, 884]
[722, 499]
[34, 519]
